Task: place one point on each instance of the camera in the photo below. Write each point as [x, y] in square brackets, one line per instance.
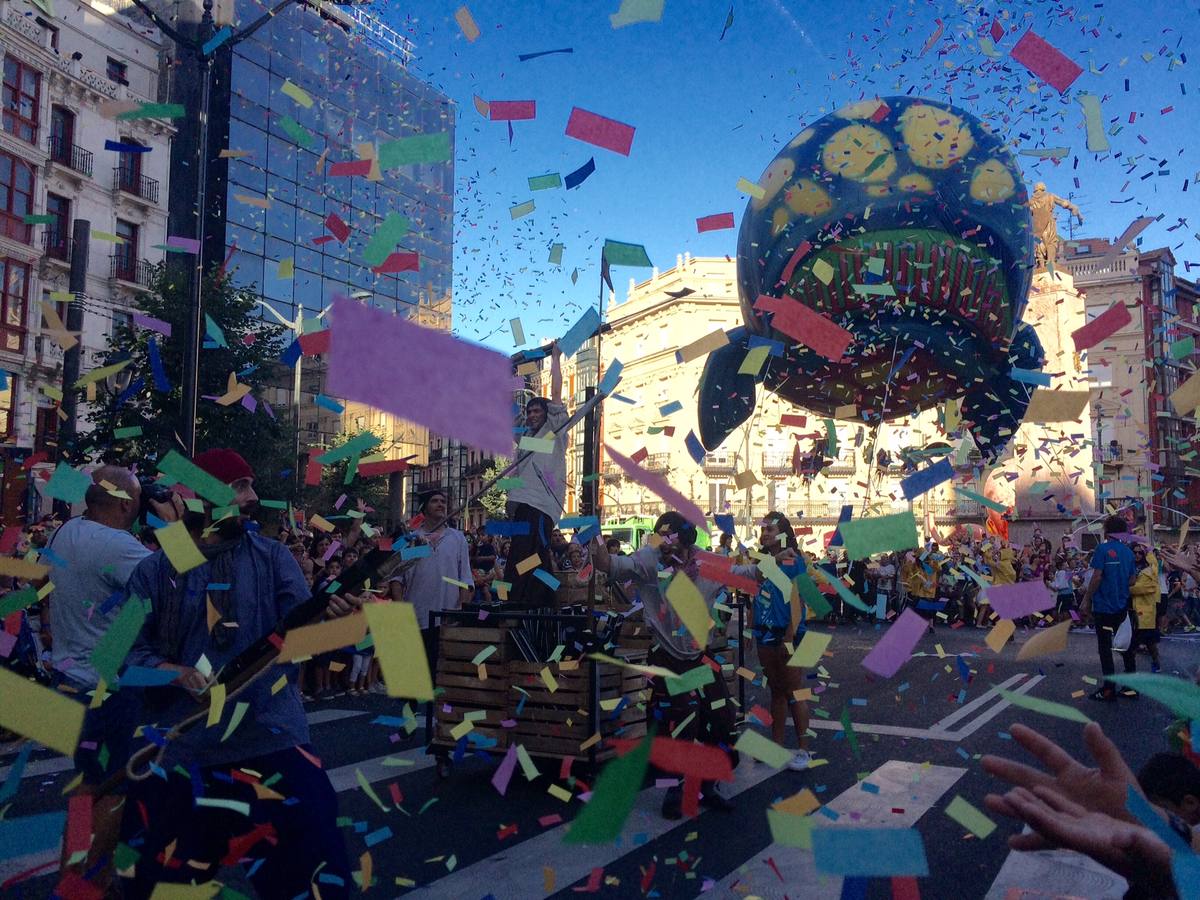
[152, 491]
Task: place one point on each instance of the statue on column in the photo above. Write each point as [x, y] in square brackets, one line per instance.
[1045, 229]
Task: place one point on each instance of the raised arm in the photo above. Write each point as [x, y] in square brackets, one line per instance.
[555, 373]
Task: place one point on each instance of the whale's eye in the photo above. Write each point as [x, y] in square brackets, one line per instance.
[935, 138]
[859, 152]
[992, 182]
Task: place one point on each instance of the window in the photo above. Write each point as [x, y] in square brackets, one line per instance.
[21, 84]
[117, 71]
[121, 318]
[14, 292]
[129, 167]
[45, 436]
[62, 134]
[59, 230]
[16, 197]
[7, 393]
[127, 253]
[49, 33]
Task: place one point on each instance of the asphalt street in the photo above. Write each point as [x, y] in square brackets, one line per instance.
[920, 735]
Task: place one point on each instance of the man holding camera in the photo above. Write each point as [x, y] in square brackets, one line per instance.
[248, 786]
[91, 560]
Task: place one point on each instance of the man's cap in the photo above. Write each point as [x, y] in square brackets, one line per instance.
[226, 465]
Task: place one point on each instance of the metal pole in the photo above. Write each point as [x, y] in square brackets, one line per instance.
[77, 284]
[195, 330]
[299, 476]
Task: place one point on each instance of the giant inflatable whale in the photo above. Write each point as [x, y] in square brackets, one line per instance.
[905, 222]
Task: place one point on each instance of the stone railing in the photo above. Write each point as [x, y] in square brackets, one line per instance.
[70, 67]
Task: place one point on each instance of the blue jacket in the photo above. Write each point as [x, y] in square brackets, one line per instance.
[265, 584]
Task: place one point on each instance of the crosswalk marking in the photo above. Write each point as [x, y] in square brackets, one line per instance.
[966, 709]
[914, 788]
[343, 778]
[1056, 873]
[55, 764]
[939, 731]
[516, 873]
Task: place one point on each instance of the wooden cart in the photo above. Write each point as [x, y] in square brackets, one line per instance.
[491, 698]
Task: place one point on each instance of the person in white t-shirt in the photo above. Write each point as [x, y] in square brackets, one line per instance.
[91, 560]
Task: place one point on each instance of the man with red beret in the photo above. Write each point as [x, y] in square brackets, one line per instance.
[248, 787]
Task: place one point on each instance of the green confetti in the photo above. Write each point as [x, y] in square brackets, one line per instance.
[154, 111]
[1045, 707]
[68, 484]
[848, 730]
[297, 132]
[545, 182]
[390, 233]
[184, 471]
[17, 600]
[880, 534]
[1181, 697]
[601, 820]
[421, 148]
[110, 651]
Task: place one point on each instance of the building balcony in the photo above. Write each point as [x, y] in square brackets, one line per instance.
[658, 462]
[816, 510]
[611, 473]
[718, 462]
[838, 469]
[777, 463]
[56, 245]
[127, 268]
[1111, 455]
[70, 156]
[127, 181]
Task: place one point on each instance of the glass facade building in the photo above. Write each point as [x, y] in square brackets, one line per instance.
[356, 73]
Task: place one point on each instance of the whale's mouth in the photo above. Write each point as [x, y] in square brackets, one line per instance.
[907, 268]
[930, 314]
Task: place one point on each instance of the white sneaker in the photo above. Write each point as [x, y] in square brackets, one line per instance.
[800, 761]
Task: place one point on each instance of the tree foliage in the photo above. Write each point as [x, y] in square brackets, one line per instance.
[373, 491]
[238, 341]
[494, 499]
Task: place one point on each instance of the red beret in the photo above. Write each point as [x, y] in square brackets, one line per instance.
[224, 464]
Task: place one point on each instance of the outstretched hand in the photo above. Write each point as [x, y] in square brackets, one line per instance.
[1129, 849]
[1101, 789]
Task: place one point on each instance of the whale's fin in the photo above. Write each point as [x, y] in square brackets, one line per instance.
[994, 410]
[726, 398]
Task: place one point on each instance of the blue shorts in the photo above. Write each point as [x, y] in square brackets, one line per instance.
[106, 740]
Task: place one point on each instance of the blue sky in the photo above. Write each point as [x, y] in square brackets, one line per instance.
[709, 112]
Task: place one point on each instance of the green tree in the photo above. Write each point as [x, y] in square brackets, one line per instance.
[494, 499]
[238, 341]
[371, 491]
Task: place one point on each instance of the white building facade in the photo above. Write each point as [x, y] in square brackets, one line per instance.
[68, 71]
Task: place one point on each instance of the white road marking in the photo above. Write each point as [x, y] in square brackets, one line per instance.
[913, 787]
[55, 764]
[938, 731]
[343, 778]
[1056, 873]
[967, 708]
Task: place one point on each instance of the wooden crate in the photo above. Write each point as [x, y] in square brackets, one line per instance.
[462, 691]
[550, 723]
[555, 723]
